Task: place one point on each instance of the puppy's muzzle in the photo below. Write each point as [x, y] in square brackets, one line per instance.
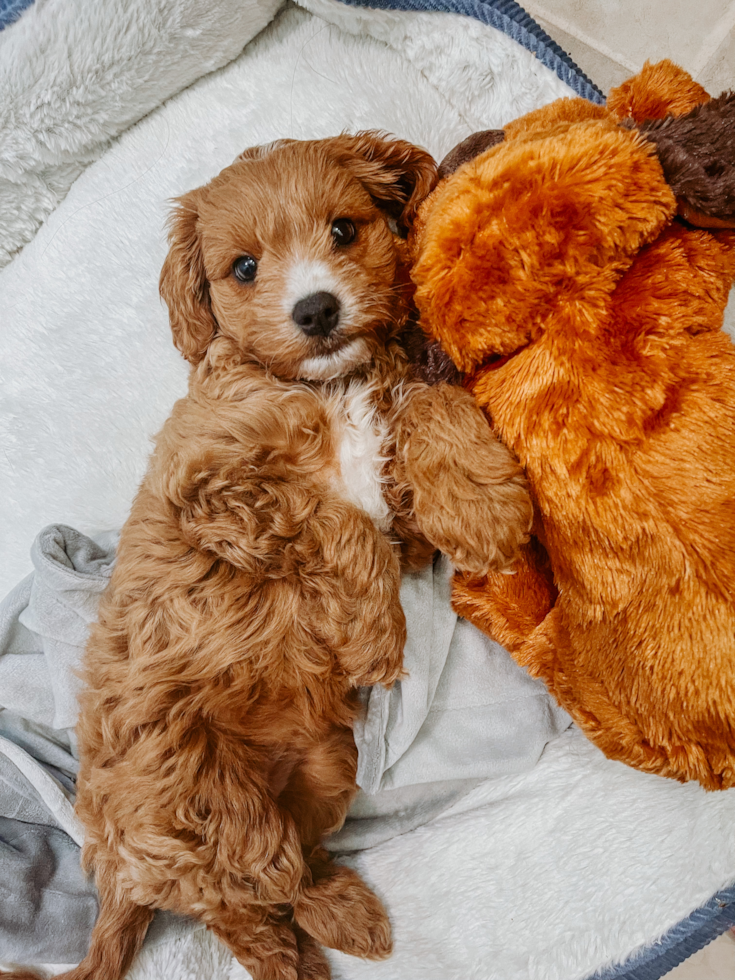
[317, 315]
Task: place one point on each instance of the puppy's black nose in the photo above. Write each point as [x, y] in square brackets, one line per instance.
[317, 315]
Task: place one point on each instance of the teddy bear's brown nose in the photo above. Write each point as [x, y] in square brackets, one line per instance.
[317, 315]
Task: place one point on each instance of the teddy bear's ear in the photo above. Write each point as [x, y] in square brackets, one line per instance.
[697, 154]
[657, 91]
[468, 149]
[530, 228]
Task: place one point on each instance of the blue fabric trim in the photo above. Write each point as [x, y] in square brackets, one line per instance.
[10, 11]
[510, 18]
[688, 937]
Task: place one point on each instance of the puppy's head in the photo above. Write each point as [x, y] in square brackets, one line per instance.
[289, 252]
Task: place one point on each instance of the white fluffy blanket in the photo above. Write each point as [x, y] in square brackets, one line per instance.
[544, 876]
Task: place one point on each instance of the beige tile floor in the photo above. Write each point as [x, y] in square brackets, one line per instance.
[714, 962]
[610, 40]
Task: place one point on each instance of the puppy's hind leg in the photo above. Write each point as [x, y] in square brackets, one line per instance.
[336, 907]
[261, 941]
[313, 964]
[341, 912]
[265, 939]
[117, 936]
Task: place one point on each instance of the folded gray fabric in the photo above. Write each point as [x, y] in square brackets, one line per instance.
[47, 905]
[44, 623]
[466, 712]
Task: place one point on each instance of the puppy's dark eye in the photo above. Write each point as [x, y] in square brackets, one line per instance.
[245, 268]
[343, 231]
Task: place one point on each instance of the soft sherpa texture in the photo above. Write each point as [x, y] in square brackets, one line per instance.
[541, 877]
[74, 75]
[481, 73]
[510, 18]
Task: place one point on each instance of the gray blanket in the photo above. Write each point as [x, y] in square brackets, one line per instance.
[47, 906]
[465, 713]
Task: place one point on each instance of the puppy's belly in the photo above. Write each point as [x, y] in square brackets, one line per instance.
[361, 436]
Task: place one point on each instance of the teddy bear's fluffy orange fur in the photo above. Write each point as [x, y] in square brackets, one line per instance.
[554, 271]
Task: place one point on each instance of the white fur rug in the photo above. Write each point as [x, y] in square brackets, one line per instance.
[545, 876]
[73, 75]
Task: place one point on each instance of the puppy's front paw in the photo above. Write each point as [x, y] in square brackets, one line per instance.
[470, 496]
[487, 531]
[384, 663]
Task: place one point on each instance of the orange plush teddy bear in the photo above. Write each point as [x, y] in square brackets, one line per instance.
[577, 272]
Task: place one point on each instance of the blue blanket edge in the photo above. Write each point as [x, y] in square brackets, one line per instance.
[716, 916]
[686, 938]
[10, 11]
[510, 18]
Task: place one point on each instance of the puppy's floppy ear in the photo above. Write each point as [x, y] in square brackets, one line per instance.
[183, 284]
[262, 150]
[396, 173]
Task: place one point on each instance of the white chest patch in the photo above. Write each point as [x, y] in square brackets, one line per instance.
[362, 435]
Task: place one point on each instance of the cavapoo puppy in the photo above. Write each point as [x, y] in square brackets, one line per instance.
[257, 579]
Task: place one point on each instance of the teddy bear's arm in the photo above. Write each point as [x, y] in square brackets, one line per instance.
[508, 607]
